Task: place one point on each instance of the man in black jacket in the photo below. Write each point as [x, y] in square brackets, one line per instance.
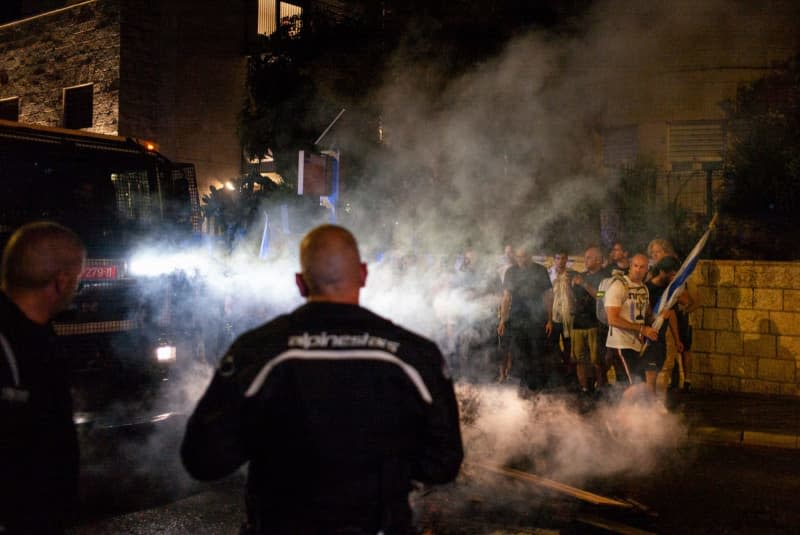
[336, 409]
[42, 264]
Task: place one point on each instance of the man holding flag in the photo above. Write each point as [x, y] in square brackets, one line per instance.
[627, 303]
[662, 274]
[673, 291]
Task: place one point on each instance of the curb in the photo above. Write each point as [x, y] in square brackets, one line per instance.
[745, 438]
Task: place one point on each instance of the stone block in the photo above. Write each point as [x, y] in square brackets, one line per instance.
[702, 274]
[714, 364]
[700, 381]
[759, 345]
[751, 321]
[718, 319]
[725, 383]
[790, 389]
[728, 342]
[716, 273]
[794, 277]
[733, 297]
[707, 296]
[703, 341]
[696, 318]
[771, 275]
[776, 370]
[744, 366]
[787, 323]
[791, 300]
[717, 434]
[725, 275]
[789, 347]
[770, 440]
[767, 299]
[744, 275]
[756, 386]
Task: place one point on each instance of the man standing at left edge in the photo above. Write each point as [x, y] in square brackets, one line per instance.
[42, 265]
[336, 409]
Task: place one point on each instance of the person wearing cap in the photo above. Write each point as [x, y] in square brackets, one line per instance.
[336, 409]
[41, 269]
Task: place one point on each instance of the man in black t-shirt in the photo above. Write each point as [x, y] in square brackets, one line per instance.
[586, 343]
[525, 319]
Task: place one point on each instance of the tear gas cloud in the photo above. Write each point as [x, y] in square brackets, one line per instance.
[547, 431]
[545, 435]
[491, 157]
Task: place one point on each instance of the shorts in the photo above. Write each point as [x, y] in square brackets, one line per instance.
[584, 345]
[655, 355]
[684, 329]
[636, 366]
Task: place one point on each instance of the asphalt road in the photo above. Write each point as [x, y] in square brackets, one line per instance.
[698, 488]
[719, 489]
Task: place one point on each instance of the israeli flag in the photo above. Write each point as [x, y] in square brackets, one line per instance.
[674, 289]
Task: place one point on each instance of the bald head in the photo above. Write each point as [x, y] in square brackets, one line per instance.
[331, 267]
[593, 259]
[42, 266]
[638, 268]
[522, 256]
[36, 253]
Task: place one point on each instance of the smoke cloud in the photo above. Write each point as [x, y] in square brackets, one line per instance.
[490, 157]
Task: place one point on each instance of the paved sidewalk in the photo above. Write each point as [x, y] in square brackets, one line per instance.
[744, 419]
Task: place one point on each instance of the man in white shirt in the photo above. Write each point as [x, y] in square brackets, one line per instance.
[628, 308]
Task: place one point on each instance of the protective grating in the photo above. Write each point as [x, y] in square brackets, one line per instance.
[133, 195]
[187, 171]
[95, 327]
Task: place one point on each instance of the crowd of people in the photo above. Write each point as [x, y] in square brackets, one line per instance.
[588, 331]
[335, 409]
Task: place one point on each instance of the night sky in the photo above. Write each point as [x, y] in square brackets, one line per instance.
[10, 10]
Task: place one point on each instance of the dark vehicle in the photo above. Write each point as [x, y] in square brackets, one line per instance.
[126, 338]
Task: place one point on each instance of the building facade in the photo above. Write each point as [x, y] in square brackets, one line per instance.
[168, 72]
[664, 88]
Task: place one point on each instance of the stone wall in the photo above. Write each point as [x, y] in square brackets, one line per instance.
[747, 330]
[41, 56]
[171, 72]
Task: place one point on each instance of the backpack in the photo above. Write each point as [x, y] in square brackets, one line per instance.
[605, 284]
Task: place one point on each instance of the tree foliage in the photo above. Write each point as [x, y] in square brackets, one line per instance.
[299, 79]
[233, 211]
[644, 215]
[761, 189]
[301, 76]
[762, 176]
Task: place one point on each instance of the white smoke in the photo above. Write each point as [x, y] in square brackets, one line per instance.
[550, 435]
[492, 157]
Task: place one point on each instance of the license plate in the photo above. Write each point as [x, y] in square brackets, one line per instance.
[99, 273]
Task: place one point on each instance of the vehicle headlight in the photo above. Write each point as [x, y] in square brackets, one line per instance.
[80, 418]
[165, 353]
[156, 263]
